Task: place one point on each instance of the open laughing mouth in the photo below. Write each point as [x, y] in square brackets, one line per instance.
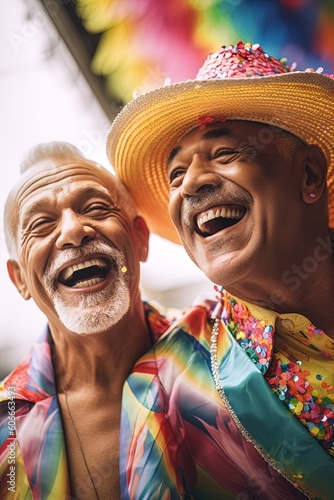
[218, 218]
[86, 273]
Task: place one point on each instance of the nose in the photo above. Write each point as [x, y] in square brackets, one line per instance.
[199, 175]
[74, 232]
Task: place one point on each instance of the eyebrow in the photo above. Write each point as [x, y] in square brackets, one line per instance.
[92, 191]
[210, 134]
[88, 191]
[216, 133]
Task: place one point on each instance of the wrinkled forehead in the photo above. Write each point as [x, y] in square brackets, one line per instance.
[48, 176]
[52, 172]
[64, 167]
[255, 134]
[239, 128]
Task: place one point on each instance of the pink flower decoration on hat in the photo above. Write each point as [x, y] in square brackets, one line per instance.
[205, 120]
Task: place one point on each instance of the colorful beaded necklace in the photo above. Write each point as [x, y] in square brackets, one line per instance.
[287, 380]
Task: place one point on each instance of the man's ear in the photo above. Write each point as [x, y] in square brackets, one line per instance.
[143, 235]
[15, 275]
[315, 174]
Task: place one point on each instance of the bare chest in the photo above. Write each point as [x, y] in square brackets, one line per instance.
[95, 473]
[92, 445]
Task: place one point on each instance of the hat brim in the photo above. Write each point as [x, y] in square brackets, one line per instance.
[148, 128]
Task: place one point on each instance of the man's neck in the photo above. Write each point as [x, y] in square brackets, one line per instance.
[90, 371]
[100, 361]
[313, 298]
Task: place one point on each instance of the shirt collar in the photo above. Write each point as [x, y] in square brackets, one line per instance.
[254, 327]
[34, 379]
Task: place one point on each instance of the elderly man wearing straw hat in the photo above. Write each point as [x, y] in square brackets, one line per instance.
[238, 401]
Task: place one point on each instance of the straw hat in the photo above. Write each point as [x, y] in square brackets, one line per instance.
[238, 82]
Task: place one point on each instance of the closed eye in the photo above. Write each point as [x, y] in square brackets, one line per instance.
[40, 226]
[224, 152]
[98, 209]
[175, 174]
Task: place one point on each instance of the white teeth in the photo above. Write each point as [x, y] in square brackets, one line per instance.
[88, 263]
[211, 215]
[227, 213]
[91, 282]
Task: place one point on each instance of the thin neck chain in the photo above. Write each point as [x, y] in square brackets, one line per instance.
[213, 355]
[80, 445]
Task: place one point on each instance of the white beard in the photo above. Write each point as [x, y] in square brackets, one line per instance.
[94, 312]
